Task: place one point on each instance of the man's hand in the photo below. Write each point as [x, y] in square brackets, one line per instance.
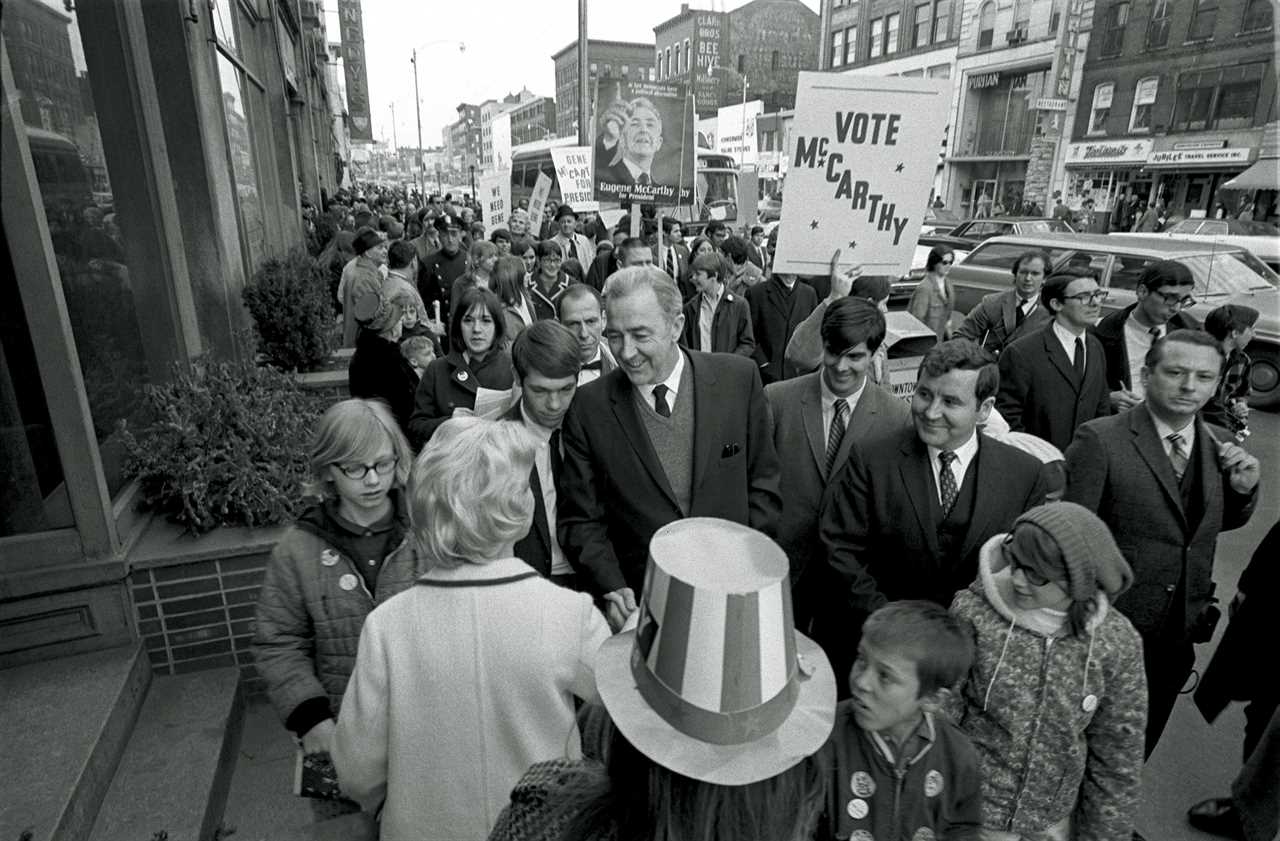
[618, 606]
[1240, 466]
[319, 738]
[1124, 399]
[614, 119]
[842, 281]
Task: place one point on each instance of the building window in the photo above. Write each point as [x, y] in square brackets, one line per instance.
[775, 60]
[1221, 98]
[1158, 26]
[850, 44]
[1144, 98]
[1055, 18]
[940, 71]
[595, 68]
[941, 20]
[1203, 19]
[626, 71]
[742, 63]
[837, 48]
[1236, 104]
[986, 25]
[877, 38]
[1257, 16]
[891, 24]
[688, 56]
[1021, 22]
[1113, 24]
[922, 26]
[1101, 108]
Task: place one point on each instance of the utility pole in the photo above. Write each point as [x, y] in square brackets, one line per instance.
[417, 108]
[395, 144]
[584, 95]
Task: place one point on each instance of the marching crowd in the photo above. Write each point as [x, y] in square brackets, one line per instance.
[623, 538]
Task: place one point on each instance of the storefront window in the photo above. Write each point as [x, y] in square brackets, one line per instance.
[93, 235]
[999, 114]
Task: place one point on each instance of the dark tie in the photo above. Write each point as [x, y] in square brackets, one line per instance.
[1155, 334]
[1177, 454]
[671, 261]
[643, 179]
[660, 400]
[557, 460]
[836, 433]
[947, 482]
[594, 366]
[1019, 314]
[1078, 361]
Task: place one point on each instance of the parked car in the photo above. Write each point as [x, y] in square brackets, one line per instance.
[978, 230]
[1223, 274]
[901, 288]
[769, 210]
[939, 220]
[1261, 238]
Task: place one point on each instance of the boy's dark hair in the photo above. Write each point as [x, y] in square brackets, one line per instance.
[872, 287]
[547, 347]
[714, 226]
[963, 355]
[1185, 336]
[735, 248]
[400, 254]
[1055, 287]
[1228, 318]
[709, 263]
[1164, 273]
[850, 321]
[1032, 254]
[941, 643]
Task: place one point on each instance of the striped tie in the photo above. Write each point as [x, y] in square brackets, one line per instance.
[947, 482]
[836, 433]
[1177, 454]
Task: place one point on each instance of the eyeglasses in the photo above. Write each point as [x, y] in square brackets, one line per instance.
[1173, 299]
[1094, 297]
[359, 471]
[1034, 577]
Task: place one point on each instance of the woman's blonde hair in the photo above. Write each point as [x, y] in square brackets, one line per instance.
[469, 491]
[353, 431]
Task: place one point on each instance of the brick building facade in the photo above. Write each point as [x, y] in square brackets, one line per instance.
[770, 42]
[607, 60]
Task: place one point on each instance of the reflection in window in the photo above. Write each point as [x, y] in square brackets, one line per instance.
[240, 148]
[89, 233]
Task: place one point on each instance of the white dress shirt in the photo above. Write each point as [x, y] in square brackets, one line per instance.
[1137, 341]
[672, 383]
[1187, 432]
[542, 463]
[964, 455]
[829, 406]
[707, 316]
[589, 376]
[1068, 341]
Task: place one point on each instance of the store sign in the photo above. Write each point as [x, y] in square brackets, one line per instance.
[351, 24]
[1046, 104]
[984, 80]
[1236, 155]
[1122, 151]
[1186, 145]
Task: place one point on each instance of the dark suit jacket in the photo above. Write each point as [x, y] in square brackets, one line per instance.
[1110, 331]
[604, 265]
[535, 547]
[1040, 392]
[450, 383]
[614, 491]
[800, 439]
[993, 323]
[774, 317]
[683, 270]
[1118, 468]
[756, 254]
[378, 370]
[880, 519]
[730, 326]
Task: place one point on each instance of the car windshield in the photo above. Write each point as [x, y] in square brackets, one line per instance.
[717, 194]
[1228, 273]
[1045, 226]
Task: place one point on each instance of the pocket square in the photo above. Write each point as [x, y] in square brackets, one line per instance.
[730, 450]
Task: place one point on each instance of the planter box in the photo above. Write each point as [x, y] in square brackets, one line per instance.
[194, 597]
[332, 381]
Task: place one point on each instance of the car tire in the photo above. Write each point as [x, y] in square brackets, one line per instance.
[1264, 378]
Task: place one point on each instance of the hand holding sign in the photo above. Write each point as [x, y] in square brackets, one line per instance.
[842, 279]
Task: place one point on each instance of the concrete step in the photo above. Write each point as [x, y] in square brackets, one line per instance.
[174, 774]
[64, 725]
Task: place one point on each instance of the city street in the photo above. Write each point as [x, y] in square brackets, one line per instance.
[1196, 760]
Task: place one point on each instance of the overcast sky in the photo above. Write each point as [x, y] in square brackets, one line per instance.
[508, 46]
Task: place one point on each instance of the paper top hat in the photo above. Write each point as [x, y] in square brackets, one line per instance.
[714, 683]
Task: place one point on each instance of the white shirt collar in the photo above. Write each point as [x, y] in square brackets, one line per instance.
[829, 397]
[635, 170]
[1068, 340]
[1163, 430]
[672, 383]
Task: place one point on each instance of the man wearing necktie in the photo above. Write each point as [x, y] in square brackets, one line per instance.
[1164, 292]
[669, 434]
[1054, 379]
[1003, 317]
[581, 309]
[545, 359]
[1166, 483]
[637, 148]
[817, 418]
[908, 514]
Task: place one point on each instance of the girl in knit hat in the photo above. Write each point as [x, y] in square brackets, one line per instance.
[1056, 701]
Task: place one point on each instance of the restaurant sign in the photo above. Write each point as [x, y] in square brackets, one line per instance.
[1108, 152]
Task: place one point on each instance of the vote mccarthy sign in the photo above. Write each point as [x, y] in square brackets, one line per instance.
[864, 155]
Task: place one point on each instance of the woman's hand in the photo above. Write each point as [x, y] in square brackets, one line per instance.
[319, 738]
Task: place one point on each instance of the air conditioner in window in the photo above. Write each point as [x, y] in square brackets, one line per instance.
[1016, 36]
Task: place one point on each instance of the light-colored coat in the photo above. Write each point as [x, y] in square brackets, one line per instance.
[461, 683]
[932, 306]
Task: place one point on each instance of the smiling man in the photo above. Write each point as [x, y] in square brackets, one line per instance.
[903, 520]
[668, 434]
[638, 144]
[1002, 317]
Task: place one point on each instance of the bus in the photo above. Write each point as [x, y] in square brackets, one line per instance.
[64, 181]
[715, 189]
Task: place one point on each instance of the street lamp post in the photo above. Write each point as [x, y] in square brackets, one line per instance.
[417, 105]
[745, 85]
[472, 167]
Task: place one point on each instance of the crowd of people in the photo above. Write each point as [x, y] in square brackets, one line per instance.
[672, 561]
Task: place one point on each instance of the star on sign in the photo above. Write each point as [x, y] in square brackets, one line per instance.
[813, 226]
[853, 243]
[898, 168]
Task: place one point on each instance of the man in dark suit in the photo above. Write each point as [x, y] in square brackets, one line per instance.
[1054, 379]
[1001, 317]
[778, 305]
[716, 320]
[606, 262]
[910, 511]
[545, 359]
[581, 309]
[755, 249]
[816, 417]
[1163, 290]
[635, 160]
[673, 255]
[1166, 485]
[670, 434]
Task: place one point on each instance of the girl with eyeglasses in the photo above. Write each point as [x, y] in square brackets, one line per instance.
[343, 556]
[1056, 701]
[934, 299]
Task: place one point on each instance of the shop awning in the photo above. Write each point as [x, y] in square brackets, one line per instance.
[1263, 175]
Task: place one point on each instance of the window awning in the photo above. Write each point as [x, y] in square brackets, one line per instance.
[1263, 175]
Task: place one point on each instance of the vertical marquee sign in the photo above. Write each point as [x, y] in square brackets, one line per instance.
[351, 21]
